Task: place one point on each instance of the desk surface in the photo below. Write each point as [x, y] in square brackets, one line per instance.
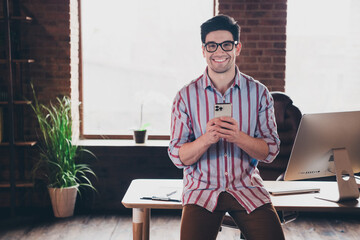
[295, 202]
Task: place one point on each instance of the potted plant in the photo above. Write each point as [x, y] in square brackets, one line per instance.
[140, 133]
[58, 162]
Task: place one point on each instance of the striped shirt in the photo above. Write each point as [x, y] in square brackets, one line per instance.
[224, 166]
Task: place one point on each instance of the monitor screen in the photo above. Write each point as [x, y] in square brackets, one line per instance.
[317, 135]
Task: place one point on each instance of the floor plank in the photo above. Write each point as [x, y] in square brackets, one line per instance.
[167, 227]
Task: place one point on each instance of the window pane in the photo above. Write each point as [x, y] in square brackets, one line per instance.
[323, 55]
[138, 52]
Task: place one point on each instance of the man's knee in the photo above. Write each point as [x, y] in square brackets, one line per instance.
[198, 223]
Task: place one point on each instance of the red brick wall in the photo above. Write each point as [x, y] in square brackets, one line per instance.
[263, 35]
[48, 42]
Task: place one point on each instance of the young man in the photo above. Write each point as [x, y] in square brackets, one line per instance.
[219, 155]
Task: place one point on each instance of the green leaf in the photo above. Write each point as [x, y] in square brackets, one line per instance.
[58, 155]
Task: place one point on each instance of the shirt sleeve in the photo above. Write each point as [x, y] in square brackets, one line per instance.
[181, 130]
[266, 126]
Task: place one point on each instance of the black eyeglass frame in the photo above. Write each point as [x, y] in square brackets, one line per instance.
[234, 43]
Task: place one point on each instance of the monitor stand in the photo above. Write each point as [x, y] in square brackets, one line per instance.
[348, 189]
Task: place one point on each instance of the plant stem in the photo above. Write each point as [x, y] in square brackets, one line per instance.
[141, 115]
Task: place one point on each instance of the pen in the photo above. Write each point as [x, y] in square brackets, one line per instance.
[169, 194]
[161, 199]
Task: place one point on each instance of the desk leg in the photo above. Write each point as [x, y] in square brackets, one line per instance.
[141, 223]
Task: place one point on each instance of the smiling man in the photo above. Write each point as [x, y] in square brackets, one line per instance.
[219, 155]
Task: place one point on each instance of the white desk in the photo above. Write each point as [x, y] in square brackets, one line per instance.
[296, 202]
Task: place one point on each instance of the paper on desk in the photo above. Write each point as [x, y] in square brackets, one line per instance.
[164, 192]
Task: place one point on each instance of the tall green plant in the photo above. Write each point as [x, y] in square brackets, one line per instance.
[58, 154]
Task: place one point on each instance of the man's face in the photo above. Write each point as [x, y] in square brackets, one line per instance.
[221, 61]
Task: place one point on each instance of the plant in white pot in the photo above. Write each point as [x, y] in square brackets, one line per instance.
[58, 162]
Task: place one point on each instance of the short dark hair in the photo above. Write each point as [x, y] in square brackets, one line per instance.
[220, 22]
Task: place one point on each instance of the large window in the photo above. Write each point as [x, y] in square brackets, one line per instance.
[323, 55]
[137, 55]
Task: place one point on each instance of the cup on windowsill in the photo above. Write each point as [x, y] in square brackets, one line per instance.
[139, 136]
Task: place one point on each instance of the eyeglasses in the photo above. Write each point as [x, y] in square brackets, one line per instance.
[226, 46]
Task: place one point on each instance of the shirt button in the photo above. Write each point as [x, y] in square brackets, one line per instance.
[227, 189]
[226, 173]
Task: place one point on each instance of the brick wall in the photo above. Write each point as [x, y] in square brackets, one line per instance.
[47, 40]
[263, 35]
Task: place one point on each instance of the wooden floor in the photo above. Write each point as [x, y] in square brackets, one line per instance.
[166, 227]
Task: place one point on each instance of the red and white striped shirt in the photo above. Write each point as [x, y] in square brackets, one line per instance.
[224, 167]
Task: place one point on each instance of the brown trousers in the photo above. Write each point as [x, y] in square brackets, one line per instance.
[197, 223]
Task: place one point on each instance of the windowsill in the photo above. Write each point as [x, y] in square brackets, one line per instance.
[122, 143]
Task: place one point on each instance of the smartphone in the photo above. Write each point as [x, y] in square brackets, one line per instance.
[223, 110]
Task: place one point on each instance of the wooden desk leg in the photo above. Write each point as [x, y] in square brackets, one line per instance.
[146, 225]
[141, 223]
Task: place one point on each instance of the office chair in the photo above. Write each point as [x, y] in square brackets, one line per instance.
[288, 119]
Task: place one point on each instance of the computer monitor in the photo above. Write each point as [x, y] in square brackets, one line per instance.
[318, 134]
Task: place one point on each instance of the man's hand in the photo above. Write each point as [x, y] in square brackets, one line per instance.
[191, 152]
[211, 135]
[228, 129]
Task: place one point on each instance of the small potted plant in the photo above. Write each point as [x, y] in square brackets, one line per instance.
[140, 133]
[58, 164]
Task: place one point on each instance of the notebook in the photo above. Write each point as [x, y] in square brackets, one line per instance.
[288, 191]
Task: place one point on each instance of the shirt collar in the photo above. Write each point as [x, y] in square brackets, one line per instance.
[208, 84]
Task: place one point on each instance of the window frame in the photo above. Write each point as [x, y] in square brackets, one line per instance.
[81, 97]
